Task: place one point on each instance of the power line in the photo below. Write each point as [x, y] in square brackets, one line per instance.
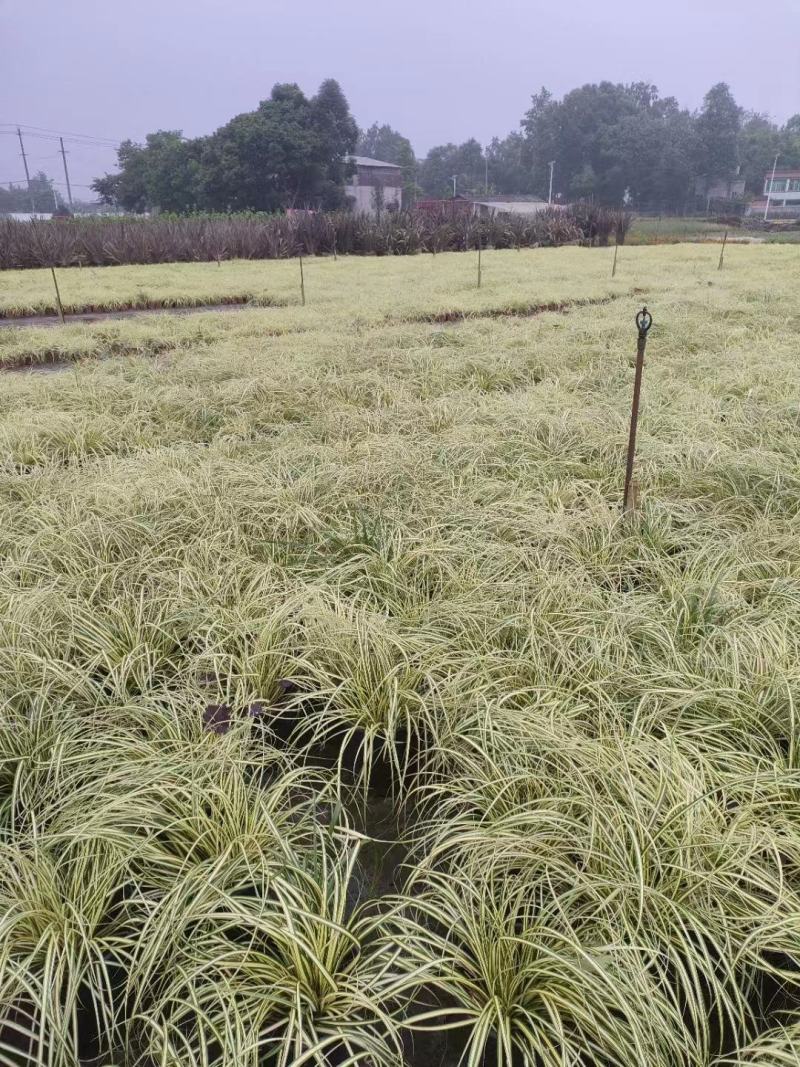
[46, 131]
[54, 139]
[50, 181]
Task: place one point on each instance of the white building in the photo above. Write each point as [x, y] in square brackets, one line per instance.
[510, 205]
[783, 193]
[375, 186]
[28, 216]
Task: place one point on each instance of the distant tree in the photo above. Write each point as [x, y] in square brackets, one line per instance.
[41, 193]
[759, 140]
[161, 175]
[465, 161]
[409, 168]
[290, 151]
[337, 133]
[718, 127]
[510, 165]
[612, 143]
[789, 145]
[382, 142]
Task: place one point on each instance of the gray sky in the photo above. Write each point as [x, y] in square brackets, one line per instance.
[435, 70]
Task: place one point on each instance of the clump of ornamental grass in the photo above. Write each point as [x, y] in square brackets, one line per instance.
[529, 978]
[777, 1047]
[366, 691]
[61, 938]
[281, 963]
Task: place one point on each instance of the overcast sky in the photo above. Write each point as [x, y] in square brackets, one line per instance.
[437, 71]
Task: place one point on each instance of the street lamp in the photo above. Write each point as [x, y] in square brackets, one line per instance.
[771, 184]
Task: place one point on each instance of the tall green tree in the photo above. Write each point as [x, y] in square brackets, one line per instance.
[717, 128]
[465, 161]
[41, 193]
[614, 143]
[510, 165]
[289, 151]
[382, 142]
[759, 140]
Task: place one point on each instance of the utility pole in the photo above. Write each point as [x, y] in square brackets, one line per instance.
[27, 172]
[66, 172]
[454, 179]
[771, 183]
[551, 165]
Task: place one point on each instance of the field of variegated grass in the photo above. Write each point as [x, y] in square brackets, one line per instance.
[501, 775]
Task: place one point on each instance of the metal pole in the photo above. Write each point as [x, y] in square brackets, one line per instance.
[58, 295]
[769, 191]
[722, 250]
[486, 172]
[479, 264]
[455, 179]
[27, 172]
[302, 283]
[66, 172]
[644, 320]
[614, 267]
[551, 164]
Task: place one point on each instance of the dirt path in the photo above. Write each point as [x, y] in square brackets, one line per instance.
[102, 316]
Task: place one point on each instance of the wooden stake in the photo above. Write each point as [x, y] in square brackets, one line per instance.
[479, 266]
[58, 295]
[722, 250]
[302, 283]
[644, 320]
[614, 267]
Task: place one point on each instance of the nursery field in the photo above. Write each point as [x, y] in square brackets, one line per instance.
[352, 288]
[344, 718]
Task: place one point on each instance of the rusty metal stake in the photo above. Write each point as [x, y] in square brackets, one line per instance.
[58, 295]
[722, 250]
[302, 283]
[644, 320]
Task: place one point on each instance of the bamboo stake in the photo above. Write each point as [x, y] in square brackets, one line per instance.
[722, 250]
[58, 295]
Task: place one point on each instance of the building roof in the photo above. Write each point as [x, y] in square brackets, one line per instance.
[365, 161]
[515, 207]
[784, 173]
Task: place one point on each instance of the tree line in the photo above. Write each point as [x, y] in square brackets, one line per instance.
[290, 152]
[613, 144]
[39, 195]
